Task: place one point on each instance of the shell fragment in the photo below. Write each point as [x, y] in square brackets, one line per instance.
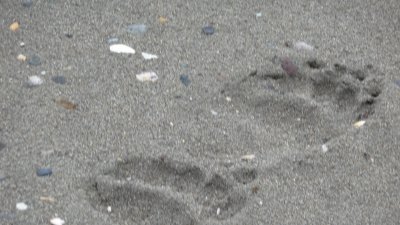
[57, 221]
[147, 76]
[149, 56]
[248, 157]
[120, 48]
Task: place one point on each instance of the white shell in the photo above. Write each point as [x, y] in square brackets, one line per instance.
[147, 76]
[301, 45]
[21, 206]
[57, 221]
[35, 80]
[120, 48]
[149, 56]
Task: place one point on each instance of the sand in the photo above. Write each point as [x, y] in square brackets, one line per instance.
[170, 152]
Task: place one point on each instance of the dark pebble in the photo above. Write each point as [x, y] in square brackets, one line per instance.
[397, 82]
[208, 30]
[44, 172]
[68, 35]
[59, 79]
[34, 60]
[185, 80]
[27, 3]
[2, 145]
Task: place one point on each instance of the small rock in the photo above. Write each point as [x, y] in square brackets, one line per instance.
[147, 76]
[258, 14]
[162, 20]
[58, 80]
[120, 48]
[301, 45]
[22, 44]
[324, 148]
[248, 157]
[34, 60]
[21, 58]
[208, 30]
[289, 67]
[113, 40]
[35, 80]
[397, 82]
[137, 28]
[359, 124]
[44, 172]
[184, 79]
[69, 35]
[148, 56]
[2, 145]
[43, 73]
[21, 206]
[109, 209]
[66, 104]
[14, 26]
[27, 3]
[57, 221]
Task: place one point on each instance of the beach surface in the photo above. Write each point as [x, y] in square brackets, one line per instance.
[278, 112]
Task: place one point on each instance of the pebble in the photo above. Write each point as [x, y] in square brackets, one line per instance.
[21, 58]
[21, 206]
[162, 20]
[120, 48]
[359, 124]
[289, 67]
[208, 30]
[14, 26]
[27, 3]
[44, 172]
[258, 14]
[248, 157]
[324, 148]
[148, 56]
[184, 79]
[109, 209]
[301, 45]
[59, 80]
[2, 145]
[147, 76]
[137, 28]
[112, 40]
[22, 44]
[43, 72]
[397, 82]
[35, 80]
[34, 60]
[57, 221]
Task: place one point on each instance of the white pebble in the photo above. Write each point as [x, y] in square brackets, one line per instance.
[214, 112]
[120, 48]
[147, 76]
[258, 14]
[109, 209]
[149, 56]
[35, 80]
[359, 124]
[228, 99]
[21, 206]
[324, 148]
[301, 45]
[43, 72]
[57, 221]
[22, 44]
[218, 211]
[248, 157]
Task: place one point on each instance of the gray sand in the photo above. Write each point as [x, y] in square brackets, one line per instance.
[166, 153]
